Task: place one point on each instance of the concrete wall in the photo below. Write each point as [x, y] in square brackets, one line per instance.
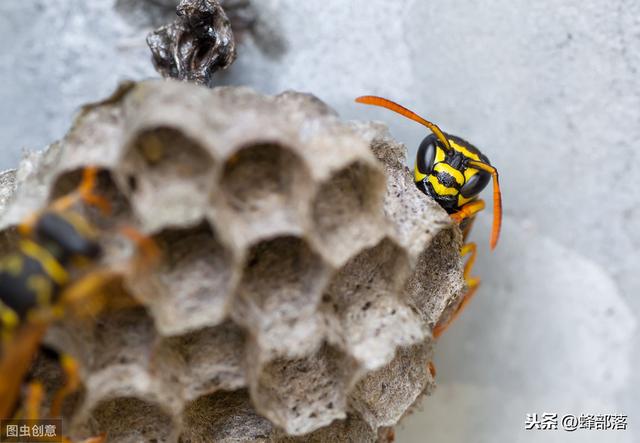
[549, 90]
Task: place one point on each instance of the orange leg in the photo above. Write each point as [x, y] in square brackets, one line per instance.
[35, 394]
[472, 285]
[72, 381]
[15, 361]
[432, 369]
[468, 210]
[85, 192]
[149, 254]
[467, 229]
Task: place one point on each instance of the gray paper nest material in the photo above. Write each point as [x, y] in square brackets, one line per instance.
[302, 270]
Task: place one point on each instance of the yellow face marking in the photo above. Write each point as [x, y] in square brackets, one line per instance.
[42, 287]
[468, 173]
[464, 151]
[79, 222]
[8, 316]
[444, 167]
[13, 264]
[440, 188]
[462, 200]
[440, 155]
[48, 262]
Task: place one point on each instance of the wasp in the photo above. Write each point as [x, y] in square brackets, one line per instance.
[453, 172]
[53, 270]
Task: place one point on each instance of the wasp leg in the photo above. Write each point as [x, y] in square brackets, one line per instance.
[87, 296]
[72, 381]
[33, 402]
[467, 228]
[70, 367]
[432, 369]
[85, 192]
[472, 285]
[16, 359]
[468, 210]
[149, 254]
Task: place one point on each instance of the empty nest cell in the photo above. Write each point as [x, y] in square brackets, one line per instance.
[385, 395]
[121, 337]
[224, 416]
[363, 314]
[266, 186]
[130, 420]
[278, 295]
[192, 285]
[202, 362]
[352, 429]
[168, 175]
[302, 395]
[347, 211]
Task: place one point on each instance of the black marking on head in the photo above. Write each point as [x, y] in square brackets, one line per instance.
[469, 147]
[448, 202]
[14, 292]
[446, 179]
[455, 159]
[63, 240]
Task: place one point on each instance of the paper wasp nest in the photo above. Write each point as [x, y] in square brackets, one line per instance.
[301, 273]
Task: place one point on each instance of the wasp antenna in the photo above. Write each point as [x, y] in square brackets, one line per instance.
[384, 103]
[497, 200]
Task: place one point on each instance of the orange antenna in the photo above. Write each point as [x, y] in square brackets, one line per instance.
[497, 200]
[384, 103]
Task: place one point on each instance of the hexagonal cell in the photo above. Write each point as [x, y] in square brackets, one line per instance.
[202, 362]
[305, 394]
[122, 337]
[224, 417]
[192, 285]
[384, 396]
[267, 189]
[363, 315]
[168, 175]
[130, 420]
[348, 211]
[436, 280]
[352, 429]
[278, 294]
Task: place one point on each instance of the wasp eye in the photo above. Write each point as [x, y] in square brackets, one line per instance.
[475, 184]
[427, 154]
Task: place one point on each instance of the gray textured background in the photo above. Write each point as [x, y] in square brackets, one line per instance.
[549, 90]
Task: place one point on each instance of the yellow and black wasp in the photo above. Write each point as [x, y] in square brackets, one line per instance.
[453, 172]
[52, 270]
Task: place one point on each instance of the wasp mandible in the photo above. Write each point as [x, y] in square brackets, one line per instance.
[453, 172]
